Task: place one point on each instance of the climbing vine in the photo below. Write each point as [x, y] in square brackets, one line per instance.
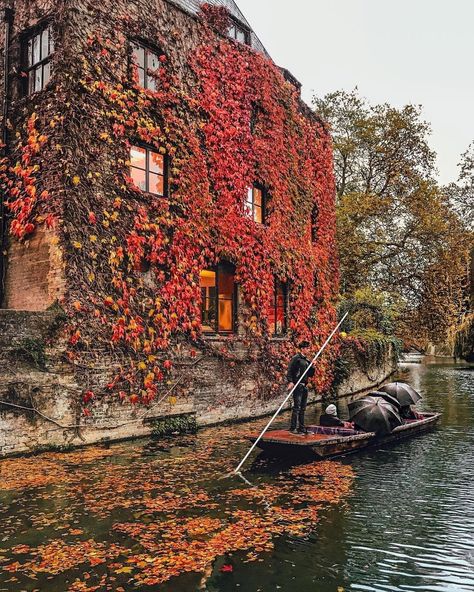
[225, 119]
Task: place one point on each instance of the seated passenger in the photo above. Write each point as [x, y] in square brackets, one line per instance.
[329, 419]
[408, 412]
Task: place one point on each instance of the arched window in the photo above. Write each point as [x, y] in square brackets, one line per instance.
[218, 299]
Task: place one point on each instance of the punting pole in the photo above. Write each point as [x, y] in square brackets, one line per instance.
[237, 470]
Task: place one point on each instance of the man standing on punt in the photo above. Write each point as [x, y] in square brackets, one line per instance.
[296, 369]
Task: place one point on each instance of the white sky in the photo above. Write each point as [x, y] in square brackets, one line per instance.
[403, 51]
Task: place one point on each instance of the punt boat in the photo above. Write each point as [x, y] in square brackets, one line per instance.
[330, 442]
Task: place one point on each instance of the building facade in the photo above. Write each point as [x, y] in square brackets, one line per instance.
[164, 187]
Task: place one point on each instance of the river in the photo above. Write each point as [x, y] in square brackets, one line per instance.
[157, 517]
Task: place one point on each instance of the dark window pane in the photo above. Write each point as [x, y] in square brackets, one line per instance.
[139, 178]
[138, 157]
[232, 32]
[226, 283]
[156, 183]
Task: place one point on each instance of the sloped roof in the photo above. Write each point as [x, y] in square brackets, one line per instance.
[193, 7]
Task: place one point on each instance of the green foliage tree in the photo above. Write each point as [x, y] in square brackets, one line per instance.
[396, 227]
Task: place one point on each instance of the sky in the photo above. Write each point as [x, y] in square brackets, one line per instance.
[408, 51]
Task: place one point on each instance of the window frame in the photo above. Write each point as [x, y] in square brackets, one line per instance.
[251, 215]
[149, 48]
[215, 330]
[238, 26]
[149, 148]
[26, 68]
[278, 283]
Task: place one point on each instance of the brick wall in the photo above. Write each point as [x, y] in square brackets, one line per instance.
[35, 276]
[212, 390]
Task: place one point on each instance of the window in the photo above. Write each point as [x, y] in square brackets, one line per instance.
[255, 204]
[149, 170]
[147, 63]
[278, 312]
[219, 298]
[239, 33]
[37, 50]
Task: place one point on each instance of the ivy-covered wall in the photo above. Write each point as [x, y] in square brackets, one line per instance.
[226, 118]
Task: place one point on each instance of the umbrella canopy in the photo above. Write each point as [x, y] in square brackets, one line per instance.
[386, 397]
[374, 414]
[404, 393]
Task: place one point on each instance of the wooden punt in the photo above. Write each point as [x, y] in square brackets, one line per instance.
[330, 442]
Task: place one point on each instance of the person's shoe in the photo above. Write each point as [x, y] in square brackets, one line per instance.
[294, 432]
[302, 431]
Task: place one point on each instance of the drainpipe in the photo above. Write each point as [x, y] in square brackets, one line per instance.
[8, 21]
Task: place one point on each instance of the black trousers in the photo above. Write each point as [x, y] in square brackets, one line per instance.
[300, 399]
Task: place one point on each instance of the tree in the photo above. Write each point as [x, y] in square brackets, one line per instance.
[397, 229]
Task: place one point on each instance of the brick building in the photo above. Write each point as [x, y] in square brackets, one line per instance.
[165, 185]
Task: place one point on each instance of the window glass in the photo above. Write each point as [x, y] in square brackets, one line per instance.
[138, 157]
[139, 178]
[157, 163]
[157, 184]
[139, 55]
[150, 83]
[44, 44]
[226, 299]
[36, 50]
[208, 303]
[153, 61]
[241, 36]
[46, 73]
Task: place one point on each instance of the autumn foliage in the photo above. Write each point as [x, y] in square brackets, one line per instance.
[132, 260]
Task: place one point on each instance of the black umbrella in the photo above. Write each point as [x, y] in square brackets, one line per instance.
[404, 393]
[374, 414]
[386, 397]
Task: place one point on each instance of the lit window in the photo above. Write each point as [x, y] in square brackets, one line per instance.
[278, 311]
[255, 204]
[218, 299]
[147, 63]
[148, 170]
[240, 34]
[37, 50]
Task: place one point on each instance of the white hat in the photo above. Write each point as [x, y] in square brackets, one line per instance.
[331, 410]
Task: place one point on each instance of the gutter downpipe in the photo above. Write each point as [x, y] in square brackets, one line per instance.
[7, 21]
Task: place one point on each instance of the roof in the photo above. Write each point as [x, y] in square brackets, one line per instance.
[194, 6]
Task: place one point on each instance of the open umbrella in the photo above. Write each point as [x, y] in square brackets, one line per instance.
[374, 414]
[386, 397]
[404, 393]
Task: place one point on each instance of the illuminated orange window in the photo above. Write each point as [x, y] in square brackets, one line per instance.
[218, 299]
[148, 170]
[278, 311]
[255, 204]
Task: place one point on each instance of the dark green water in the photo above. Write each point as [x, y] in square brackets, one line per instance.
[406, 524]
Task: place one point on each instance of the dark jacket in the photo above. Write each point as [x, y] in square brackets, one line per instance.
[297, 367]
[330, 421]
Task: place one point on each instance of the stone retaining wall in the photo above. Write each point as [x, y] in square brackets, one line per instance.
[35, 374]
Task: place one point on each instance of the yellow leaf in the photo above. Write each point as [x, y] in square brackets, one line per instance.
[77, 245]
[76, 180]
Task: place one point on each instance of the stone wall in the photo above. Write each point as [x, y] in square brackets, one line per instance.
[35, 375]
